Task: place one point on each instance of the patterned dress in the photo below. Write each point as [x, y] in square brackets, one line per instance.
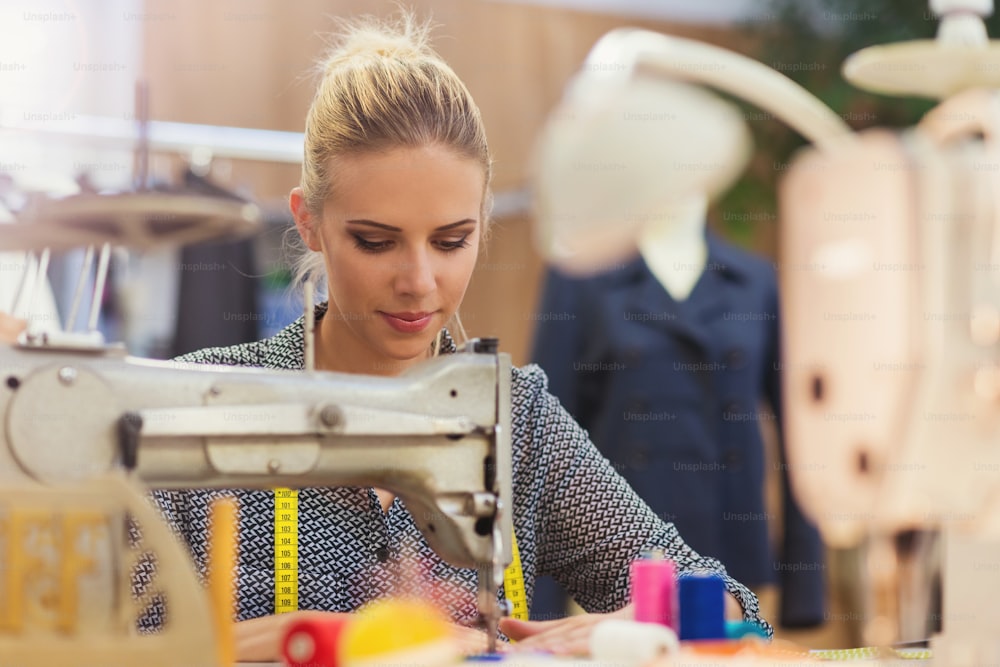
[574, 517]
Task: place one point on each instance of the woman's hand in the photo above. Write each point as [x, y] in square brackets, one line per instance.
[473, 642]
[564, 636]
[259, 639]
[571, 636]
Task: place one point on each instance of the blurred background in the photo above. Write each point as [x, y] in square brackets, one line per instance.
[248, 64]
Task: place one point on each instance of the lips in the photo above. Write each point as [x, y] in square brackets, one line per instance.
[407, 322]
[410, 317]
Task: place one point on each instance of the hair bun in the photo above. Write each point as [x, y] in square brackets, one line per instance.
[373, 39]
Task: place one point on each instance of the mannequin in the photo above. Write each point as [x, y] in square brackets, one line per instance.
[665, 361]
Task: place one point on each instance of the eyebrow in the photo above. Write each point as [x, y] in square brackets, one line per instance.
[390, 228]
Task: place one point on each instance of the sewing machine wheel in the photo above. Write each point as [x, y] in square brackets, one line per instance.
[140, 220]
[57, 405]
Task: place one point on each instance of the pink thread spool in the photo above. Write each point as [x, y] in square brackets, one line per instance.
[654, 591]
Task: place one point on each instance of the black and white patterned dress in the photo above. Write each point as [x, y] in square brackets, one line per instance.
[575, 518]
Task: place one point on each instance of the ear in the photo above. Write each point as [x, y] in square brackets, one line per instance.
[304, 220]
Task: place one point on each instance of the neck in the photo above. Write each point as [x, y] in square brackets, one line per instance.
[683, 224]
[341, 350]
[674, 247]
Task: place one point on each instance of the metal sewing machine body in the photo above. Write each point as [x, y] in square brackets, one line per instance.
[438, 435]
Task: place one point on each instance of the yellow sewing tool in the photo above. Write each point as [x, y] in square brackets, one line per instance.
[221, 569]
[286, 550]
[513, 583]
[872, 653]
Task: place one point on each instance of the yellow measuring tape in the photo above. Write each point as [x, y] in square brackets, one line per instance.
[872, 653]
[286, 560]
[286, 550]
[513, 583]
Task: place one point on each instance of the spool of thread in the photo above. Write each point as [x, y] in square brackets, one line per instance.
[631, 642]
[654, 591]
[741, 629]
[702, 606]
[222, 549]
[398, 631]
[313, 642]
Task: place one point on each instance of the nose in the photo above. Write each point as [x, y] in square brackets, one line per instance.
[415, 275]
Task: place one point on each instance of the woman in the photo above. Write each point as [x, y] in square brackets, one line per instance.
[393, 207]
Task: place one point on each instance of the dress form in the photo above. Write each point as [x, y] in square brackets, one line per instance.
[674, 248]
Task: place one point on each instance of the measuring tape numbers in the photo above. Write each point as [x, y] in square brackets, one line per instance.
[286, 550]
[513, 583]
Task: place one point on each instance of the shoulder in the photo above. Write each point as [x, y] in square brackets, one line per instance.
[536, 413]
[528, 384]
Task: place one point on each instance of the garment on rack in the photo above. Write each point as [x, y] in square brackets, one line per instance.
[669, 392]
[217, 298]
[218, 286]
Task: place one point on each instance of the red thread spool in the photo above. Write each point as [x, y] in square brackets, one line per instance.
[312, 642]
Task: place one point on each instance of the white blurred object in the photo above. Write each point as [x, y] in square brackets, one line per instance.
[961, 56]
[146, 221]
[24, 294]
[185, 138]
[898, 432]
[718, 11]
[837, 295]
[635, 139]
[920, 310]
[623, 642]
[599, 160]
[142, 220]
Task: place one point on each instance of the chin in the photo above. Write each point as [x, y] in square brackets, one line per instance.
[409, 349]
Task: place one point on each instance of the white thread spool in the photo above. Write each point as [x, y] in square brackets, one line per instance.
[631, 642]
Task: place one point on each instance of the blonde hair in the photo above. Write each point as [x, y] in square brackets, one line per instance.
[382, 86]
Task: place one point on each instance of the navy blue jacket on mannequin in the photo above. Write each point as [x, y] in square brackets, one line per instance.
[669, 391]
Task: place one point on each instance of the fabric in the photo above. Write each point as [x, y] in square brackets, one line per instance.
[575, 518]
[217, 295]
[669, 392]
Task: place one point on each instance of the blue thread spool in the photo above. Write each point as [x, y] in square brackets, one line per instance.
[703, 606]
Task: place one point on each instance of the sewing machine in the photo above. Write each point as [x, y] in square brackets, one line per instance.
[87, 429]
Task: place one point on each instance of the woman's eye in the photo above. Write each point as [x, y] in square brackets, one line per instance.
[370, 246]
[454, 244]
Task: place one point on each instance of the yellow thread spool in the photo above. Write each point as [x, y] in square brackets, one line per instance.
[221, 568]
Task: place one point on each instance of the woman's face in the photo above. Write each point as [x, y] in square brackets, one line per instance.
[400, 235]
